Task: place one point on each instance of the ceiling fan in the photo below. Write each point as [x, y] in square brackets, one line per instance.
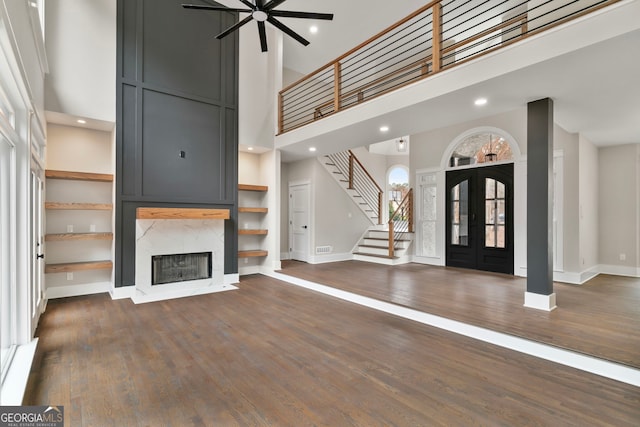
[261, 11]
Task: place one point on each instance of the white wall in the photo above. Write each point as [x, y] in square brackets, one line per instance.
[589, 178]
[619, 209]
[261, 77]
[568, 143]
[79, 149]
[81, 48]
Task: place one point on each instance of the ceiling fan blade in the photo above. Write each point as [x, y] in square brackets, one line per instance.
[263, 36]
[259, 4]
[305, 15]
[234, 27]
[272, 4]
[248, 4]
[287, 30]
[218, 8]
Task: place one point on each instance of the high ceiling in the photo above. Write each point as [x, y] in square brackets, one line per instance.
[597, 88]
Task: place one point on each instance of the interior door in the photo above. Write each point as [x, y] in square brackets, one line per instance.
[480, 218]
[299, 222]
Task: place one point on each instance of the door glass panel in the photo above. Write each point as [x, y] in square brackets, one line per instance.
[460, 214]
[495, 209]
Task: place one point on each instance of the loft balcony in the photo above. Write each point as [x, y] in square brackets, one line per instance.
[421, 72]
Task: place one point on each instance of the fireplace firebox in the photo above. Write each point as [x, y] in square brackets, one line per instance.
[180, 267]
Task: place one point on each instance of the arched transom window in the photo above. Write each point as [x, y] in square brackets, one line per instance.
[481, 148]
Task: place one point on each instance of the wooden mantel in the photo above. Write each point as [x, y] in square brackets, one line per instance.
[181, 213]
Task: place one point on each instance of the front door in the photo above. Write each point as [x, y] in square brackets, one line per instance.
[480, 218]
[299, 222]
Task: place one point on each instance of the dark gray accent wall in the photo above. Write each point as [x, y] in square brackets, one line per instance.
[177, 115]
[540, 197]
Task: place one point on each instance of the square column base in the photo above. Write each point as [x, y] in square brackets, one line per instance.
[540, 302]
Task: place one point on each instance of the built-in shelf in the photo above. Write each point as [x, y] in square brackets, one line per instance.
[252, 231]
[77, 266]
[78, 176]
[252, 254]
[250, 187]
[77, 236]
[253, 210]
[79, 206]
[181, 213]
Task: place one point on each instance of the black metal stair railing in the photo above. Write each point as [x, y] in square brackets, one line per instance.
[438, 36]
[357, 178]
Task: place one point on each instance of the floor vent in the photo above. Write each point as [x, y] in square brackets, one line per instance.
[324, 249]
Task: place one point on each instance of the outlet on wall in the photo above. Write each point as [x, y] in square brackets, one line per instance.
[92, 228]
[70, 275]
[623, 257]
[70, 228]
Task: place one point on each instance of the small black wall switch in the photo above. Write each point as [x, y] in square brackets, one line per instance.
[182, 154]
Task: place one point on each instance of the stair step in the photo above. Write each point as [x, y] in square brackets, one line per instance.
[330, 164]
[376, 256]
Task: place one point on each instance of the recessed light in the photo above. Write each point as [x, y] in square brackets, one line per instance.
[384, 128]
[81, 121]
[33, 4]
[312, 149]
[313, 29]
[250, 148]
[480, 101]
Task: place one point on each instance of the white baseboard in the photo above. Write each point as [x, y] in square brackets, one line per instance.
[245, 271]
[427, 260]
[78, 290]
[540, 302]
[123, 292]
[321, 259]
[619, 270]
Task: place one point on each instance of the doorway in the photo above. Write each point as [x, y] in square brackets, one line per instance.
[479, 212]
[299, 207]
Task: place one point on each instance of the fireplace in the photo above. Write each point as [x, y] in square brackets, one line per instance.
[179, 252]
[180, 268]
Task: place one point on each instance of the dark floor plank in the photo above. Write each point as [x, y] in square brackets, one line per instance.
[599, 318]
[274, 354]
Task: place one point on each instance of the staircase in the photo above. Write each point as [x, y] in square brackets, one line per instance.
[378, 244]
[374, 247]
[349, 173]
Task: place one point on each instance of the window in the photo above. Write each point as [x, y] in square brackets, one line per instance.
[494, 197]
[460, 214]
[7, 240]
[481, 148]
[397, 187]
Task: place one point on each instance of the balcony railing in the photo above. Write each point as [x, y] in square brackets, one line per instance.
[438, 36]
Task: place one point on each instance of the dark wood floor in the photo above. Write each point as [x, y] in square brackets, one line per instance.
[275, 354]
[599, 318]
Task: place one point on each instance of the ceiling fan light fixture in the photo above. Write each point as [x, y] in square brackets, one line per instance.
[259, 15]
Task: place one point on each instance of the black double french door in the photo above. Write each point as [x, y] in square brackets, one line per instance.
[480, 218]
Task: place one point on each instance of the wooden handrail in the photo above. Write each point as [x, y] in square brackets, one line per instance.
[439, 47]
[365, 170]
[421, 63]
[363, 44]
[406, 203]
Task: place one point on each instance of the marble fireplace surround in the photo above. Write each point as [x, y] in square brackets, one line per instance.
[169, 231]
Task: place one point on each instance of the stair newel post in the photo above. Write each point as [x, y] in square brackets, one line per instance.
[350, 170]
[410, 207]
[337, 86]
[280, 113]
[391, 238]
[379, 207]
[437, 37]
